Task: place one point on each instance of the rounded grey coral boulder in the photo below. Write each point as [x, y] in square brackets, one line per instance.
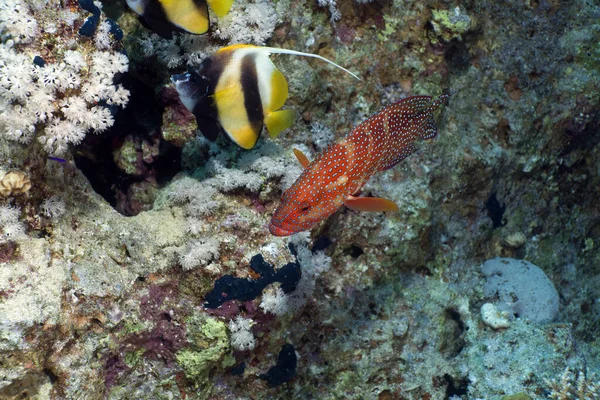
[520, 287]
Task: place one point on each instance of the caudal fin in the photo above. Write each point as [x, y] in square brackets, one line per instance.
[220, 7]
[278, 121]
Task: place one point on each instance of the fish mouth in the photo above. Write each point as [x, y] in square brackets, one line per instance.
[180, 78]
[277, 231]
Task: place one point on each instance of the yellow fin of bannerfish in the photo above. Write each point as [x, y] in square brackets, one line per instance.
[187, 15]
[245, 136]
[279, 90]
[220, 7]
[278, 121]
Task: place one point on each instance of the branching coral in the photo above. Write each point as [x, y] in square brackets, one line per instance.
[248, 23]
[569, 386]
[53, 207]
[200, 252]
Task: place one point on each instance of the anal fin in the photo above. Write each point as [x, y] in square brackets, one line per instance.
[370, 204]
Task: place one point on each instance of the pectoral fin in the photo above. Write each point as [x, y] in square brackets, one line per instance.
[371, 204]
[302, 159]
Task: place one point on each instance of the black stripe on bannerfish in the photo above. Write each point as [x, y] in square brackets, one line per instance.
[155, 17]
[252, 102]
[212, 68]
[205, 111]
[202, 5]
[210, 128]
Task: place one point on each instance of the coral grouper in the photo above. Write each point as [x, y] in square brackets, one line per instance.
[337, 175]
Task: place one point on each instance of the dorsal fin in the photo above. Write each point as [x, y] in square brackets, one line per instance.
[274, 50]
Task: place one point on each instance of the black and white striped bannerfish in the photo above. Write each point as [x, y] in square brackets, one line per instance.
[237, 90]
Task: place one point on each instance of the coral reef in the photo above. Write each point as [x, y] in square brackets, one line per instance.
[137, 263]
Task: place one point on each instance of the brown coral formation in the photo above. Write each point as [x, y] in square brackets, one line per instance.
[14, 182]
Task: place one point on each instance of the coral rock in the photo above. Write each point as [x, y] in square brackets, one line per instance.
[515, 240]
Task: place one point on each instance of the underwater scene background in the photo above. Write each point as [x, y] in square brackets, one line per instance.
[136, 260]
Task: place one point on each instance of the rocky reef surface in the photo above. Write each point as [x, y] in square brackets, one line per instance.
[135, 258]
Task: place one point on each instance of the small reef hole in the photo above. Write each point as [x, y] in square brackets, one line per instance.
[355, 251]
[457, 55]
[456, 386]
[495, 211]
[452, 340]
[51, 375]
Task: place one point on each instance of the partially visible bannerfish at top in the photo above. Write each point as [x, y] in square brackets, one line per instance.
[238, 90]
[166, 16]
[337, 175]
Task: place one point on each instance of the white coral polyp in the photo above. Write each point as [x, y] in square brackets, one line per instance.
[10, 227]
[66, 96]
[241, 337]
[16, 20]
[75, 60]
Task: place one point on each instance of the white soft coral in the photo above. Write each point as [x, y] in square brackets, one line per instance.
[10, 227]
[241, 336]
[29, 94]
[17, 21]
[275, 301]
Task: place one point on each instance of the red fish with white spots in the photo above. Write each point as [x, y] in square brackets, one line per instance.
[336, 176]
